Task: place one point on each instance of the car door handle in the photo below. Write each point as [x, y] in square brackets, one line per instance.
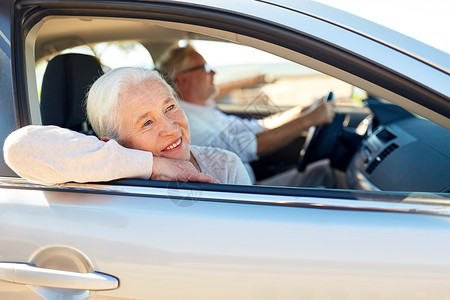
[26, 274]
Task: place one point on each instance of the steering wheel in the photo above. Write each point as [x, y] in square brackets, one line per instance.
[321, 139]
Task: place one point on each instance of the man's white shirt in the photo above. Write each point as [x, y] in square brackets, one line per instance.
[211, 127]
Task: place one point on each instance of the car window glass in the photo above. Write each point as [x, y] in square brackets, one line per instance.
[112, 55]
[121, 54]
[286, 83]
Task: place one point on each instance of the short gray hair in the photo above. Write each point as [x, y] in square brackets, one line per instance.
[103, 98]
[173, 61]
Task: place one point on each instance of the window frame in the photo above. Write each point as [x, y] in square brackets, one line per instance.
[250, 30]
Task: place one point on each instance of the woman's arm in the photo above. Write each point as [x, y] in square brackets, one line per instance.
[53, 155]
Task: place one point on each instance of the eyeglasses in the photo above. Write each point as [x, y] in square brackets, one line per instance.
[205, 67]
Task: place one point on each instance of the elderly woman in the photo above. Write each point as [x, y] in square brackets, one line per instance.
[129, 108]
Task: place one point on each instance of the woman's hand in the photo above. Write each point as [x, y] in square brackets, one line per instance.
[178, 170]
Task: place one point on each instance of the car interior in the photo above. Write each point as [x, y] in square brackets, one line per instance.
[66, 80]
[371, 143]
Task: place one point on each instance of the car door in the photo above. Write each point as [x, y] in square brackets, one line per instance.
[163, 242]
[136, 239]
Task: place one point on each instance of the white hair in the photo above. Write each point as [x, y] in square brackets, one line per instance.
[173, 61]
[102, 102]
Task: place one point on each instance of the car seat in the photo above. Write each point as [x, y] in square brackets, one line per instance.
[65, 84]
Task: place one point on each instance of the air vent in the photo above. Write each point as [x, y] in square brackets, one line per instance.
[385, 135]
[380, 158]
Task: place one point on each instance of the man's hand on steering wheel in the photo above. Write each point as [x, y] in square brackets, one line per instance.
[320, 112]
[323, 131]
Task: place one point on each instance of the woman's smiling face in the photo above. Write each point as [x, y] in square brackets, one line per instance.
[151, 120]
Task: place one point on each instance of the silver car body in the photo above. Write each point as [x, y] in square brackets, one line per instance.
[200, 241]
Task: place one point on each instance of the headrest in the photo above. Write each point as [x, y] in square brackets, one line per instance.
[66, 81]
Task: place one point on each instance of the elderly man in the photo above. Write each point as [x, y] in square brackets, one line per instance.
[188, 72]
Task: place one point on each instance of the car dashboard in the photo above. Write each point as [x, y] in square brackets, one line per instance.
[408, 154]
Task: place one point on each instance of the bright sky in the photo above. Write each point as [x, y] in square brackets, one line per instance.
[424, 20]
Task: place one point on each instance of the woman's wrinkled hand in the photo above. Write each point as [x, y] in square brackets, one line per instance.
[178, 170]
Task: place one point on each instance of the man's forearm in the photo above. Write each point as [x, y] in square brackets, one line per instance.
[273, 139]
[276, 120]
